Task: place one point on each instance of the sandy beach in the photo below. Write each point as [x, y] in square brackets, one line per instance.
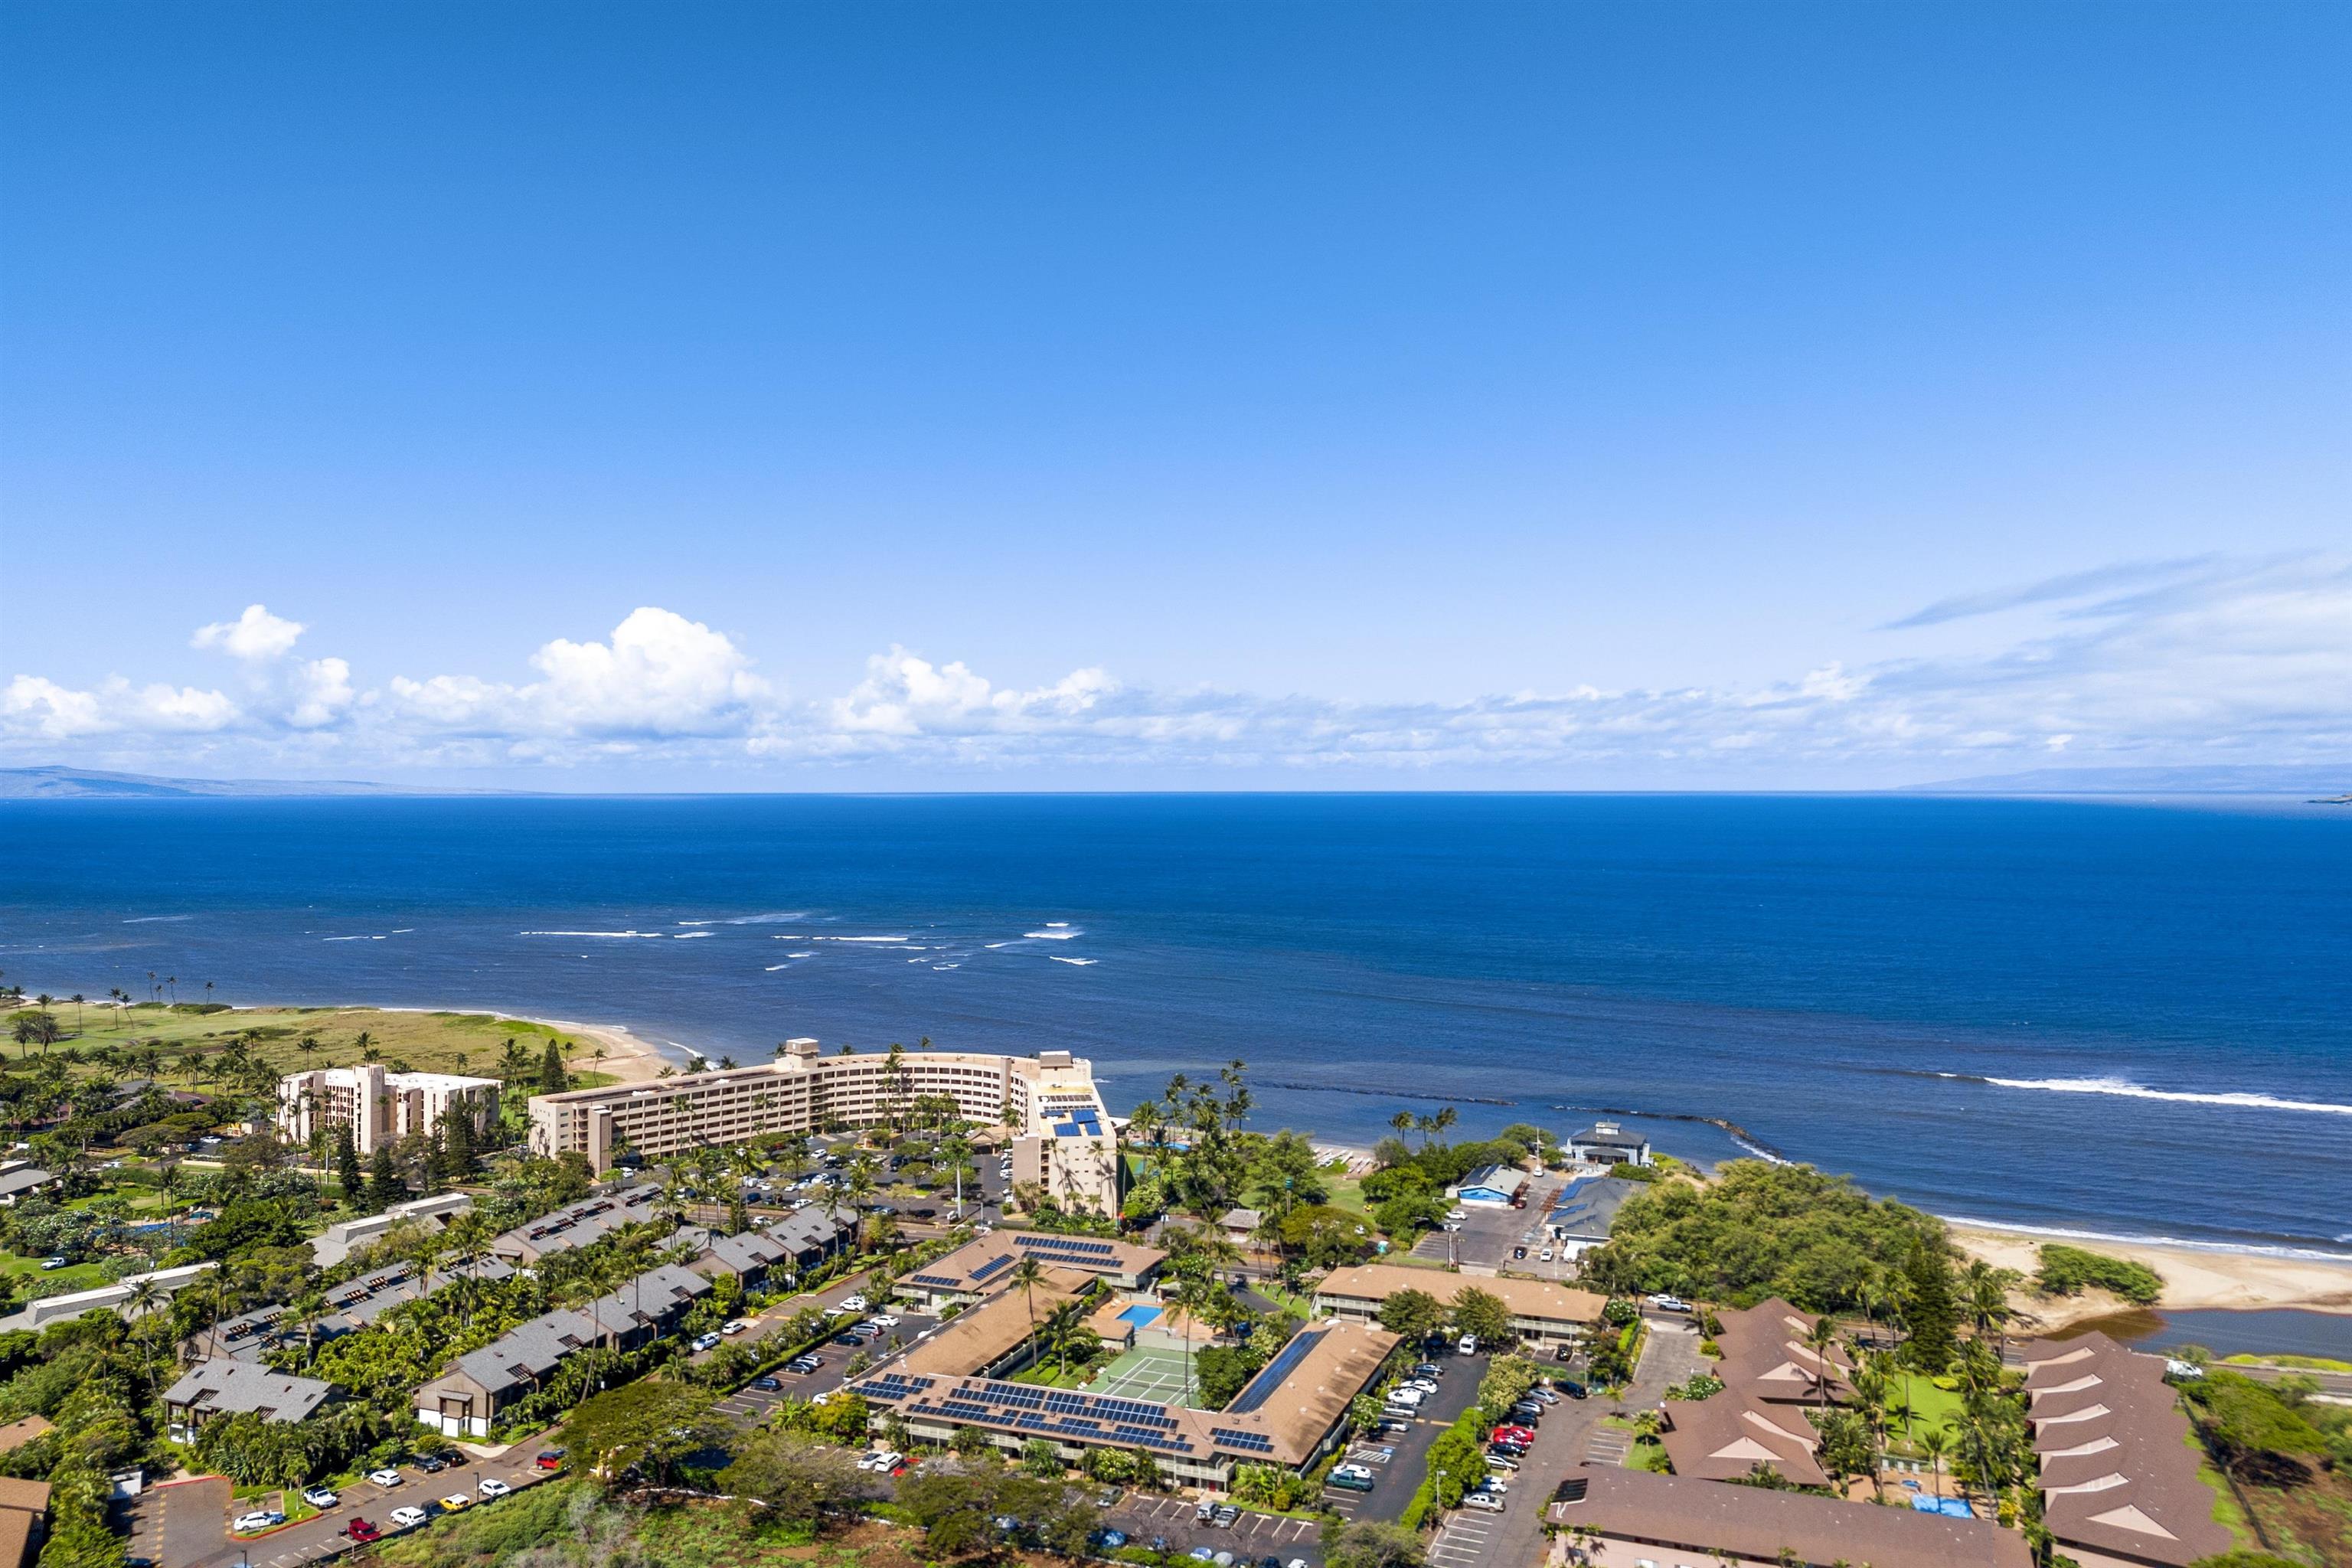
[2194, 1277]
[626, 1057]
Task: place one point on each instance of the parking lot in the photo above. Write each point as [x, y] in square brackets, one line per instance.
[1489, 1235]
[187, 1526]
[1252, 1536]
[1395, 1478]
[751, 1403]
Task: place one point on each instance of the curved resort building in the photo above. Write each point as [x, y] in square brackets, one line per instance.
[1046, 1104]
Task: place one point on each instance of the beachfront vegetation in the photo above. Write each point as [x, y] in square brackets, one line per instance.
[2071, 1270]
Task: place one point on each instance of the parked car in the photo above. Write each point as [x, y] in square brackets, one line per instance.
[455, 1502]
[49, 1263]
[704, 1341]
[1542, 1396]
[1110, 1540]
[1227, 1516]
[1466, 1345]
[1669, 1303]
[320, 1497]
[1486, 1502]
[1522, 1252]
[385, 1477]
[551, 1459]
[1574, 1389]
[1363, 1472]
[1510, 1434]
[407, 1517]
[361, 1531]
[1427, 1369]
[1544, 1255]
[768, 1385]
[1221, 1560]
[432, 1464]
[853, 1341]
[263, 1518]
[1201, 1553]
[736, 1325]
[1504, 1463]
[853, 1304]
[491, 1485]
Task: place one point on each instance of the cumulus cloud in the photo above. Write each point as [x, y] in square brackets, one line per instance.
[2164, 662]
[255, 634]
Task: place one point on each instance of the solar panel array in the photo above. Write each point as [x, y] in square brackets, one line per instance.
[1242, 1442]
[1285, 1362]
[1055, 1412]
[893, 1387]
[990, 1269]
[944, 1281]
[1100, 1256]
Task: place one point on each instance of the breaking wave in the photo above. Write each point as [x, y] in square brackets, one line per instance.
[2126, 1089]
[655, 935]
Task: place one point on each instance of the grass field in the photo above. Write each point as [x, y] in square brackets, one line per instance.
[1930, 1407]
[424, 1042]
[74, 1277]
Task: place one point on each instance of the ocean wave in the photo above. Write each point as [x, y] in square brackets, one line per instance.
[688, 935]
[774, 967]
[1051, 933]
[853, 938]
[154, 920]
[768, 919]
[2070, 1233]
[360, 938]
[1060, 959]
[655, 935]
[2126, 1089]
[939, 966]
[800, 955]
[993, 945]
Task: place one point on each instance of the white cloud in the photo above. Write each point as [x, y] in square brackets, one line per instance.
[255, 634]
[2204, 661]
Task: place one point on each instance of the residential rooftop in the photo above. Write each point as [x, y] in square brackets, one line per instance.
[1702, 1522]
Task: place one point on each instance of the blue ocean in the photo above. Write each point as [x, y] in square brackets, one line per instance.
[2121, 1018]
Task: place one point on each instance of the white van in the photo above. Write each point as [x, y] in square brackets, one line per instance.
[1469, 1345]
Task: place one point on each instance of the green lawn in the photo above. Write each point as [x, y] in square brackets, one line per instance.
[1930, 1407]
[74, 1277]
[428, 1042]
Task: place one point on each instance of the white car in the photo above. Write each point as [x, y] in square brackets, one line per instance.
[407, 1517]
[704, 1341]
[1666, 1303]
[1468, 1344]
[880, 1462]
[736, 1325]
[1486, 1500]
[491, 1485]
[1495, 1484]
[247, 1524]
[1421, 1385]
[883, 1319]
[853, 1304]
[320, 1497]
[385, 1477]
[1544, 1255]
[1357, 1473]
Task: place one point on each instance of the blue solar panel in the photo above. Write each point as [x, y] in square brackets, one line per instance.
[1285, 1362]
[1244, 1442]
[991, 1268]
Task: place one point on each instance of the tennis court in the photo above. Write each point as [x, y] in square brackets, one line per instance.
[1143, 1374]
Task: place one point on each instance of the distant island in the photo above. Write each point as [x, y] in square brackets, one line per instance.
[90, 784]
[2311, 780]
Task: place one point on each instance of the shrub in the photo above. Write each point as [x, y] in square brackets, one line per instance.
[2071, 1270]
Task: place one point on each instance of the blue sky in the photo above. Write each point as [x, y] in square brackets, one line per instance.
[1014, 396]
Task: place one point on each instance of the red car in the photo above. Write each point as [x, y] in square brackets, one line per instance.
[1513, 1435]
[549, 1460]
[361, 1531]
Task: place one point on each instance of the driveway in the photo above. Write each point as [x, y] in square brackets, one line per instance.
[313, 1539]
[180, 1523]
[750, 1405]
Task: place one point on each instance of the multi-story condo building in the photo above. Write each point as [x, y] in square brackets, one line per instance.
[1046, 1104]
[378, 1105]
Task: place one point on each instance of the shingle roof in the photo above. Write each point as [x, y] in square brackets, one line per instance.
[223, 1387]
[1725, 1438]
[581, 1224]
[2118, 1468]
[1702, 1517]
[1536, 1299]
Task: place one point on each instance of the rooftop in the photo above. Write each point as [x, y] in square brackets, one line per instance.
[1537, 1299]
[222, 1387]
[1703, 1517]
[987, 1263]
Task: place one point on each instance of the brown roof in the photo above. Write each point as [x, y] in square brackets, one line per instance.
[1764, 1354]
[1703, 1517]
[30, 1497]
[984, 1334]
[2118, 1461]
[1539, 1299]
[17, 1434]
[1726, 1437]
[16, 1538]
[967, 1267]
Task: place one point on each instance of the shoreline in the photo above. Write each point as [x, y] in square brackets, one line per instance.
[628, 1058]
[2195, 1279]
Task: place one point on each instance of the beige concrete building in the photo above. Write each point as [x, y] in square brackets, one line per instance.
[1544, 1314]
[1061, 1138]
[380, 1106]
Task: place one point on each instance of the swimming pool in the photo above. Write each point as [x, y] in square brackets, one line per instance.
[1139, 1314]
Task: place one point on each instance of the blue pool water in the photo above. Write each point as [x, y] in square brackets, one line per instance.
[2036, 1012]
[1137, 1316]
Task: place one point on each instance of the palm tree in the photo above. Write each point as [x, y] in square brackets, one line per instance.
[1028, 1274]
[1987, 1301]
[1820, 1339]
[1934, 1442]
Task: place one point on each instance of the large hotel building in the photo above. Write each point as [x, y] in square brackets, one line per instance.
[380, 1107]
[1046, 1104]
